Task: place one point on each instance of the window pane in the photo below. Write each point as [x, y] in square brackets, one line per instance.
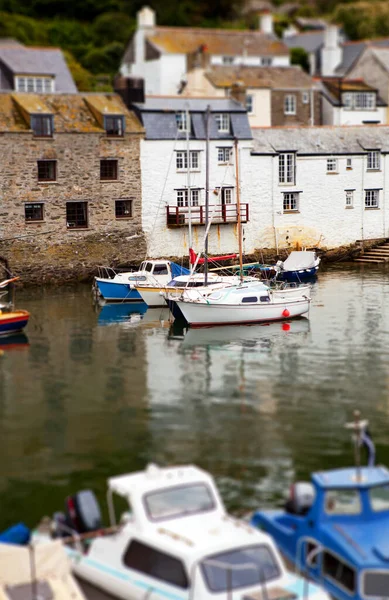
[42, 125]
[291, 201]
[254, 566]
[181, 121]
[154, 563]
[114, 126]
[343, 502]
[33, 212]
[76, 215]
[222, 122]
[46, 170]
[30, 84]
[194, 160]
[108, 169]
[123, 209]
[371, 198]
[338, 571]
[379, 498]
[179, 501]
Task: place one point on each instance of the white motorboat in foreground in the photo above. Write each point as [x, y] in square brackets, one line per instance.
[244, 303]
[177, 543]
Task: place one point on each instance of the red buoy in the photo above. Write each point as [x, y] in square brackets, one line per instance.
[285, 326]
[285, 313]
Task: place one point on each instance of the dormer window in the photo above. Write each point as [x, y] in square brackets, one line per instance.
[223, 122]
[228, 60]
[42, 125]
[182, 121]
[114, 125]
[359, 100]
[37, 85]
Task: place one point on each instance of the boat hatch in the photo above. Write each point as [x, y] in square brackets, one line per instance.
[375, 584]
[240, 568]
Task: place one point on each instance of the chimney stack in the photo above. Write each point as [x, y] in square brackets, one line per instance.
[238, 92]
[331, 53]
[130, 89]
[266, 22]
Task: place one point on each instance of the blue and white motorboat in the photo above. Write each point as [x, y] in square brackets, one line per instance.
[120, 287]
[335, 528]
[176, 541]
[300, 266]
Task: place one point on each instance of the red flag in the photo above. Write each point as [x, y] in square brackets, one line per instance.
[192, 256]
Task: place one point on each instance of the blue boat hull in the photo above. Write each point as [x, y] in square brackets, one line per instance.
[117, 292]
[119, 313]
[298, 276]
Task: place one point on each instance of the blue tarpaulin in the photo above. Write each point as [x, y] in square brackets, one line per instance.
[17, 534]
[178, 270]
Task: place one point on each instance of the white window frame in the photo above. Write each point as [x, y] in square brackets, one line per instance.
[182, 160]
[222, 122]
[359, 100]
[227, 191]
[34, 84]
[224, 155]
[291, 202]
[182, 197]
[374, 160]
[332, 165]
[349, 198]
[305, 97]
[287, 168]
[372, 199]
[181, 120]
[290, 104]
[349, 163]
[228, 60]
[266, 61]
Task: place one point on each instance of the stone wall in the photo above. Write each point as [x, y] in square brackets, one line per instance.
[303, 111]
[49, 249]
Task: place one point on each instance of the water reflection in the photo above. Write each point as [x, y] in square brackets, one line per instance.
[256, 405]
[17, 341]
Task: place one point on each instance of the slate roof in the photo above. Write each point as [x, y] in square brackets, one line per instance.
[261, 77]
[21, 60]
[311, 41]
[70, 112]
[333, 88]
[353, 50]
[382, 55]
[185, 40]
[321, 140]
[158, 115]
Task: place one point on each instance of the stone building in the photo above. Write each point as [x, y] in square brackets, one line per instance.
[70, 170]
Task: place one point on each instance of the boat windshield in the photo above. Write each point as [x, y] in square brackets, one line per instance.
[343, 502]
[379, 498]
[137, 278]
[239, 568]
[179, 501]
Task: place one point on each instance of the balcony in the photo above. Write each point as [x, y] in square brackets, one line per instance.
[178, 216]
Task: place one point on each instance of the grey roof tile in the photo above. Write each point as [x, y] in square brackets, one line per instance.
[178, 103]
[310, 41]
[39, 61]
[321, 140]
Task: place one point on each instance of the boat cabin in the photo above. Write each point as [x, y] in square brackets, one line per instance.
[176, 541]
[335, 529]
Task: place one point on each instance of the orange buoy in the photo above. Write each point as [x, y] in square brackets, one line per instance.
[285, 313]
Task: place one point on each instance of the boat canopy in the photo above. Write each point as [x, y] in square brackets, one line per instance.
[299, 259]
[178, 270]
[347, 478]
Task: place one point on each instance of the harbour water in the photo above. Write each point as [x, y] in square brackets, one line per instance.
[89, 393]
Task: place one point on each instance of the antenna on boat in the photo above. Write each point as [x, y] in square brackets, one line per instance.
[239, 221]
[360, 437]
[208, 114]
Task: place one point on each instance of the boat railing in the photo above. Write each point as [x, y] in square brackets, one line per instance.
[104, 272]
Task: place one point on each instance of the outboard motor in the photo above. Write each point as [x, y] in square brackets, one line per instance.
[83, 512]
[301, 498]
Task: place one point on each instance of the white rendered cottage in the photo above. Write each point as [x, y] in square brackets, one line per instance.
[163, 56]
[166, 208]
[316, 186]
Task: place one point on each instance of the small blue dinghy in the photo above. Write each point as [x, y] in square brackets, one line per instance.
[336, 529]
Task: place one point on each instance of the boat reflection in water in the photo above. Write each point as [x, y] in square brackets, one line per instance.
[16, 341]
[122, 313]
[244, 335]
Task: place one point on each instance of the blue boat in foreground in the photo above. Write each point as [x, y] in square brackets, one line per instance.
[336, 529]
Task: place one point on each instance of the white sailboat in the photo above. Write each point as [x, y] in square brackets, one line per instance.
[243, 303]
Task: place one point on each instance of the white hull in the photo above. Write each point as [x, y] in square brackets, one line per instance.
[202, 315]
[152, 297]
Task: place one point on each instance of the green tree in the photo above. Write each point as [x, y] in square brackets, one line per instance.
[299, 56]
[105, 59]
[83, 79]
[113, 27]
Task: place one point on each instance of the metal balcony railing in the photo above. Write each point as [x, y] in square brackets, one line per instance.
[178, 216]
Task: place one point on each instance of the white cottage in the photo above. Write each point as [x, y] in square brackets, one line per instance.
[163, 56]
[172, 194]
[351, 102]
[316, 186]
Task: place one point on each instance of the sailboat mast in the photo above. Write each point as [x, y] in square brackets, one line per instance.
[208, 114]
[238, 215]
[188, 185]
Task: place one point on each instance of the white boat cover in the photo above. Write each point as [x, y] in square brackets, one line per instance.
[51, 565]
[299, 259]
